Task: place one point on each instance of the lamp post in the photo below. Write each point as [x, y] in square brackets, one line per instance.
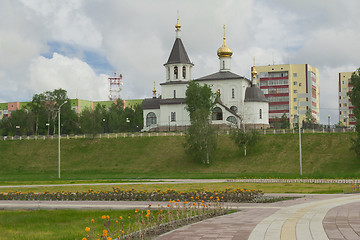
[48, 125]
[300, 154]
[329, 122]
[59, 110]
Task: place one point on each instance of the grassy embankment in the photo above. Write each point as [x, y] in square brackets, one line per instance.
[324, 156]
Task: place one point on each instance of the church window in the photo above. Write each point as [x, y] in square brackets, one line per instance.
[184, 71]
[217, 114]
[173, 116]
[176, 73]
[223, 64]
[231, 119]
[168, 73]
[234, 108]
[233, 93]
[260, 113]
[150, 119]
[174, 93]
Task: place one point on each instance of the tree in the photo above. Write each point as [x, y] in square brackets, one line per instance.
[244, 140]
[91, 121]
[284, 122]
[201, 138]
[355, 101]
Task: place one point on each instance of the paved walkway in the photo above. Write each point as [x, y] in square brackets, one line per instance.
[315, 217]
[318, 217]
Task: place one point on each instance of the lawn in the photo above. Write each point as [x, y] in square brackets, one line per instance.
[325, 155]
[51, 224]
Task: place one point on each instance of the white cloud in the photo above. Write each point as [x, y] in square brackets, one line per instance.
[71, 74]
[66, 22]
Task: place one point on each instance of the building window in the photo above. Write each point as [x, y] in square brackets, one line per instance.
[295, 99]
[260, 113]
[345, 104]
[231, 119]
[295, 91]
[217, 114]
[184, 72]
[223, 64]
[295, 108]
[173, 116]
[150, 119]
[174, 93]
[343, 82]
[233, 93]
[295, 83]
[234, 108]
[176, 73]
[294, 75]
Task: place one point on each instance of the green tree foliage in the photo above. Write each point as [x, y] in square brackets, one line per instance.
[201, 138]
[284, 121]
[244, 140]
[92, 121]
[355, 100]
[199, 97]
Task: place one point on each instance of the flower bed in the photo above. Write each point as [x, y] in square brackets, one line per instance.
[117, 194]
[149, 223]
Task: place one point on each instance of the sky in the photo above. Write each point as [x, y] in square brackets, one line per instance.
[77, 44]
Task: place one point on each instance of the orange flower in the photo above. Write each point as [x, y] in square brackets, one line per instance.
[92, 220]
[149, 205]
[136, 210]
[84, 239]
[120, 217]
[107, 217]
[122, 232]
[87, 229]
[109, 238]
[103, 217]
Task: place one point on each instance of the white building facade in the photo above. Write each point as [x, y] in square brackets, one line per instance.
[241, 103]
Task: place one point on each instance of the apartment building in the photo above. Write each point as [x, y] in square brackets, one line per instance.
[346, 114]
[290, 89]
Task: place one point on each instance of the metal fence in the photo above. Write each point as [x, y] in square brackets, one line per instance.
[164, 134]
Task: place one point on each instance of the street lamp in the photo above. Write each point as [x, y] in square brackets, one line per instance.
[48, 125]
[59, 110]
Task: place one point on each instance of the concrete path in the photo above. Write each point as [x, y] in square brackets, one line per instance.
[315, 217]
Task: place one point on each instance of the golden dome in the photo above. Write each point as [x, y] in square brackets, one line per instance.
[224, 50]
[254, 72]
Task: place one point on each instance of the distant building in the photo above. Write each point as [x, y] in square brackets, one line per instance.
[240, 101]
[290, 88]
[346, 114]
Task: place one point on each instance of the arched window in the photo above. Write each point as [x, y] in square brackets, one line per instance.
[176, 73]
[260, 113]
[174, 93]
[234, 108]
[217, 114]
[184, 72]
[173, 116]
[150, 119]
[231, 119]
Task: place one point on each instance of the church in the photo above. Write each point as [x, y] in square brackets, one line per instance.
[241, 103]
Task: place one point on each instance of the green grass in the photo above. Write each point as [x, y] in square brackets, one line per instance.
[324, 156]
[51, 224]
